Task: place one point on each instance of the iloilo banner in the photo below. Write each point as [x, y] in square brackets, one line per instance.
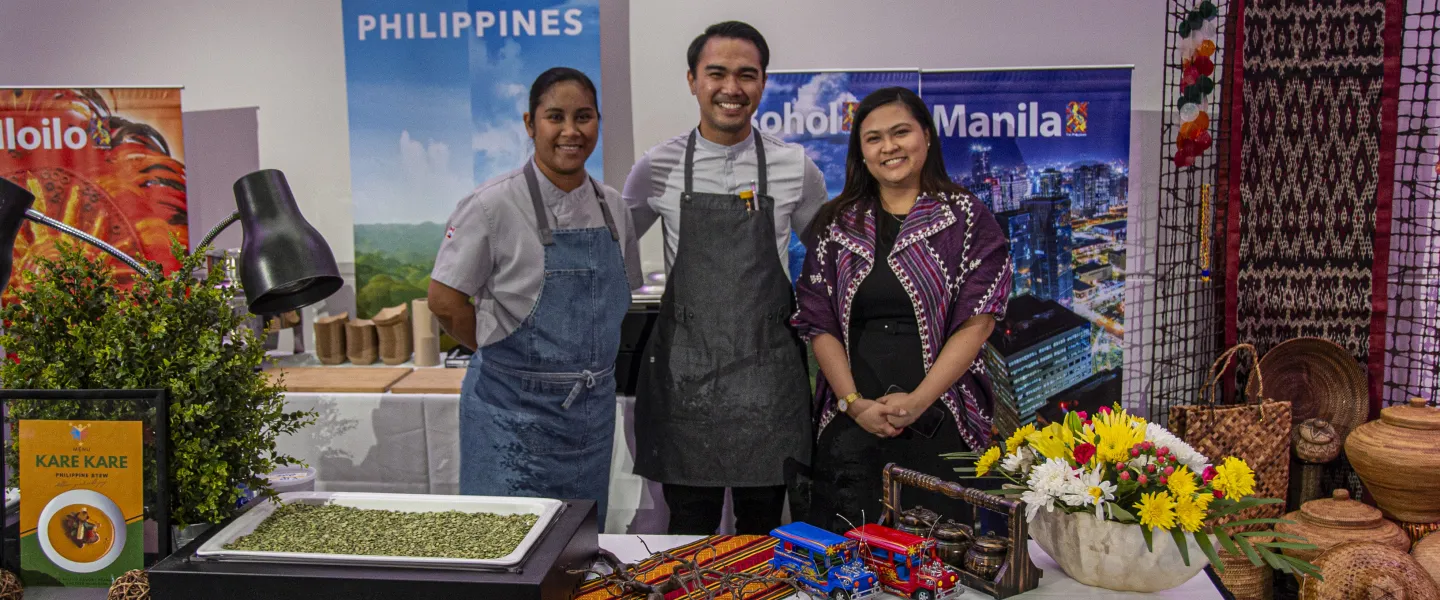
[107, 161]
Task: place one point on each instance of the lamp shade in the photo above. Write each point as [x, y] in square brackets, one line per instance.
[14, 201]
[284, 262]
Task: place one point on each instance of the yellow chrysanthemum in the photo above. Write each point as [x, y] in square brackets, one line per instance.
[1017, 438]
[987, 461]
[1113, 435]
[1054, 441]
[1182, 483]
[1190, 511]
[1234, 478]
[1156, 509]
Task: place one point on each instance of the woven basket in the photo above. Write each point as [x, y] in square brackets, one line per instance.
[361, 345]
[1257, 433]
[330, 339]
[1245, 580]
[1368, 570]
[1418, 531]
[1319, 379]
[1427, 553]
[1316, 441]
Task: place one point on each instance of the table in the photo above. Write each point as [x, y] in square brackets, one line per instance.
[1053, 583]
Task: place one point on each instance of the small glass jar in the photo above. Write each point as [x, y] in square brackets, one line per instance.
[986, 556]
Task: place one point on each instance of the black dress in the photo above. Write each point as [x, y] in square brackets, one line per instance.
[885, 357]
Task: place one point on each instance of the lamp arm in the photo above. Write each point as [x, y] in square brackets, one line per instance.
[40, 218]
[210, 237]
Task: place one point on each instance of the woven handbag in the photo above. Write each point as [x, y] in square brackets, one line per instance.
[1257, 432]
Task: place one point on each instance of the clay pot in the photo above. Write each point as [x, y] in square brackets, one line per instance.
[1315, 441]
[1395, 457]
[1332, 521]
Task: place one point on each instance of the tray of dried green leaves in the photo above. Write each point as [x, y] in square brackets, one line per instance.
[403, 530]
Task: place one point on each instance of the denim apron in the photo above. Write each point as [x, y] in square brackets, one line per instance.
[723, 397]
[537, 417]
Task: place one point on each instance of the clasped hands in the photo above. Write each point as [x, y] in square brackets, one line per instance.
[888, 415]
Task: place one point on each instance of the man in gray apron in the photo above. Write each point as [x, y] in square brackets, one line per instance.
[723, 397]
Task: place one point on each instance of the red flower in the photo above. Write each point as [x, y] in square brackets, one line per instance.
[1164, 480]
[1169, 470]
[1135, 451]
[1124, 476]
[15, 358]
[1084, 452]
[1219, 494]
[1082, 415]
[1144, 480]
[1162, 451]
[1105, 410]
[1150, 468]
[1208, 474]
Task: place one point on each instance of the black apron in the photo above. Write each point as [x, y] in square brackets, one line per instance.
[724, 396]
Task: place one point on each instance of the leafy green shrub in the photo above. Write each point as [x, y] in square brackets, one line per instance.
[72, 329]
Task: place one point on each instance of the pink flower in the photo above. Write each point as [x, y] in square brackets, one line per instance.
[1169, 470]
[1084, 452]
[1164, 480]
[1146, 446]
[1144, 480]
[1162, 451]
[1150, 468]
[1124, 476]
[1104, 410]
[1208, 474]
[1135, 451]
[1082, 415]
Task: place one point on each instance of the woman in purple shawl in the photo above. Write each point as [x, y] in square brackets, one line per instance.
[906, 274]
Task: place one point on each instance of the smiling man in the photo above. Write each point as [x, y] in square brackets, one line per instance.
[723, 396]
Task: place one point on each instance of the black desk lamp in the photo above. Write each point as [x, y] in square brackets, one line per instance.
[284, 262]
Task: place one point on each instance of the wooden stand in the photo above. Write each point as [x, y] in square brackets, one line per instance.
[1018, 575]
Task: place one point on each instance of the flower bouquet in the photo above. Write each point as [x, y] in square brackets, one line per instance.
[1095, 487]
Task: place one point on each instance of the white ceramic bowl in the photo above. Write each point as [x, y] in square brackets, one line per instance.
[89, 498]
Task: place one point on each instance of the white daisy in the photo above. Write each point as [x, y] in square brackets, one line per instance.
[1090, 489]
[1162, 438]
[1035, 500]
[1019, 462]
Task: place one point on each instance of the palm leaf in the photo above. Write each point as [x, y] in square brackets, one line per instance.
[1203, 541]
[1225, 542]
[1149, 544]
[1179, 536]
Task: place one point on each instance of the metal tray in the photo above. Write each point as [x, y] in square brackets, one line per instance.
[546, 509]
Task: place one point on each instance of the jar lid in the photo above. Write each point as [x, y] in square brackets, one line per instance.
[951, 531]
[992, 543]
[1415, 415]
[1340, 512]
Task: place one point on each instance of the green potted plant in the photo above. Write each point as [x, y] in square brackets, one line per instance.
[72, 328]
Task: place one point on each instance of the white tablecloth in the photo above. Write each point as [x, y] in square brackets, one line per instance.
[409, 443]
[1053, 583]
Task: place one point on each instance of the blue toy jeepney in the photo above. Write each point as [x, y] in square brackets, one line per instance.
[824, 563]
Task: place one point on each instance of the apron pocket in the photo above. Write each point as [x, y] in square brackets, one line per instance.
[532, 408]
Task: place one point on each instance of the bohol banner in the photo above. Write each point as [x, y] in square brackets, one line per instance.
[815, 109]
[1047, 151]
[107, 161]
[436, 90]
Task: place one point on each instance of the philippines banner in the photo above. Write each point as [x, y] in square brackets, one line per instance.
[815, 109]
[436, 91]
[107, 161]
[1047, 150]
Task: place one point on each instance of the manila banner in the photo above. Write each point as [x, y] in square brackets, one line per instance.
[815, 109]
[107, 161]
[436, 90]
[1047, 151]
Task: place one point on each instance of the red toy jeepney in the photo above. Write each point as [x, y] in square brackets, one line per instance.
[906, 564]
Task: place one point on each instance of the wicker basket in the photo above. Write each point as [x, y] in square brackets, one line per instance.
[1368, 570]
[1418, 531]
[1319, 379]
[1245, 580]
[1427, 553]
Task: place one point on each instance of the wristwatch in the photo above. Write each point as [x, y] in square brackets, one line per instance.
[844, 403]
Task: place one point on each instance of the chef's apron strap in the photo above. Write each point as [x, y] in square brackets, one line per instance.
[542, 218]
[760, 160]
[763, 184]
[605, 210]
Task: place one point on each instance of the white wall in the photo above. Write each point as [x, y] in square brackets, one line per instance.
[859, 34]
[287, 58]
